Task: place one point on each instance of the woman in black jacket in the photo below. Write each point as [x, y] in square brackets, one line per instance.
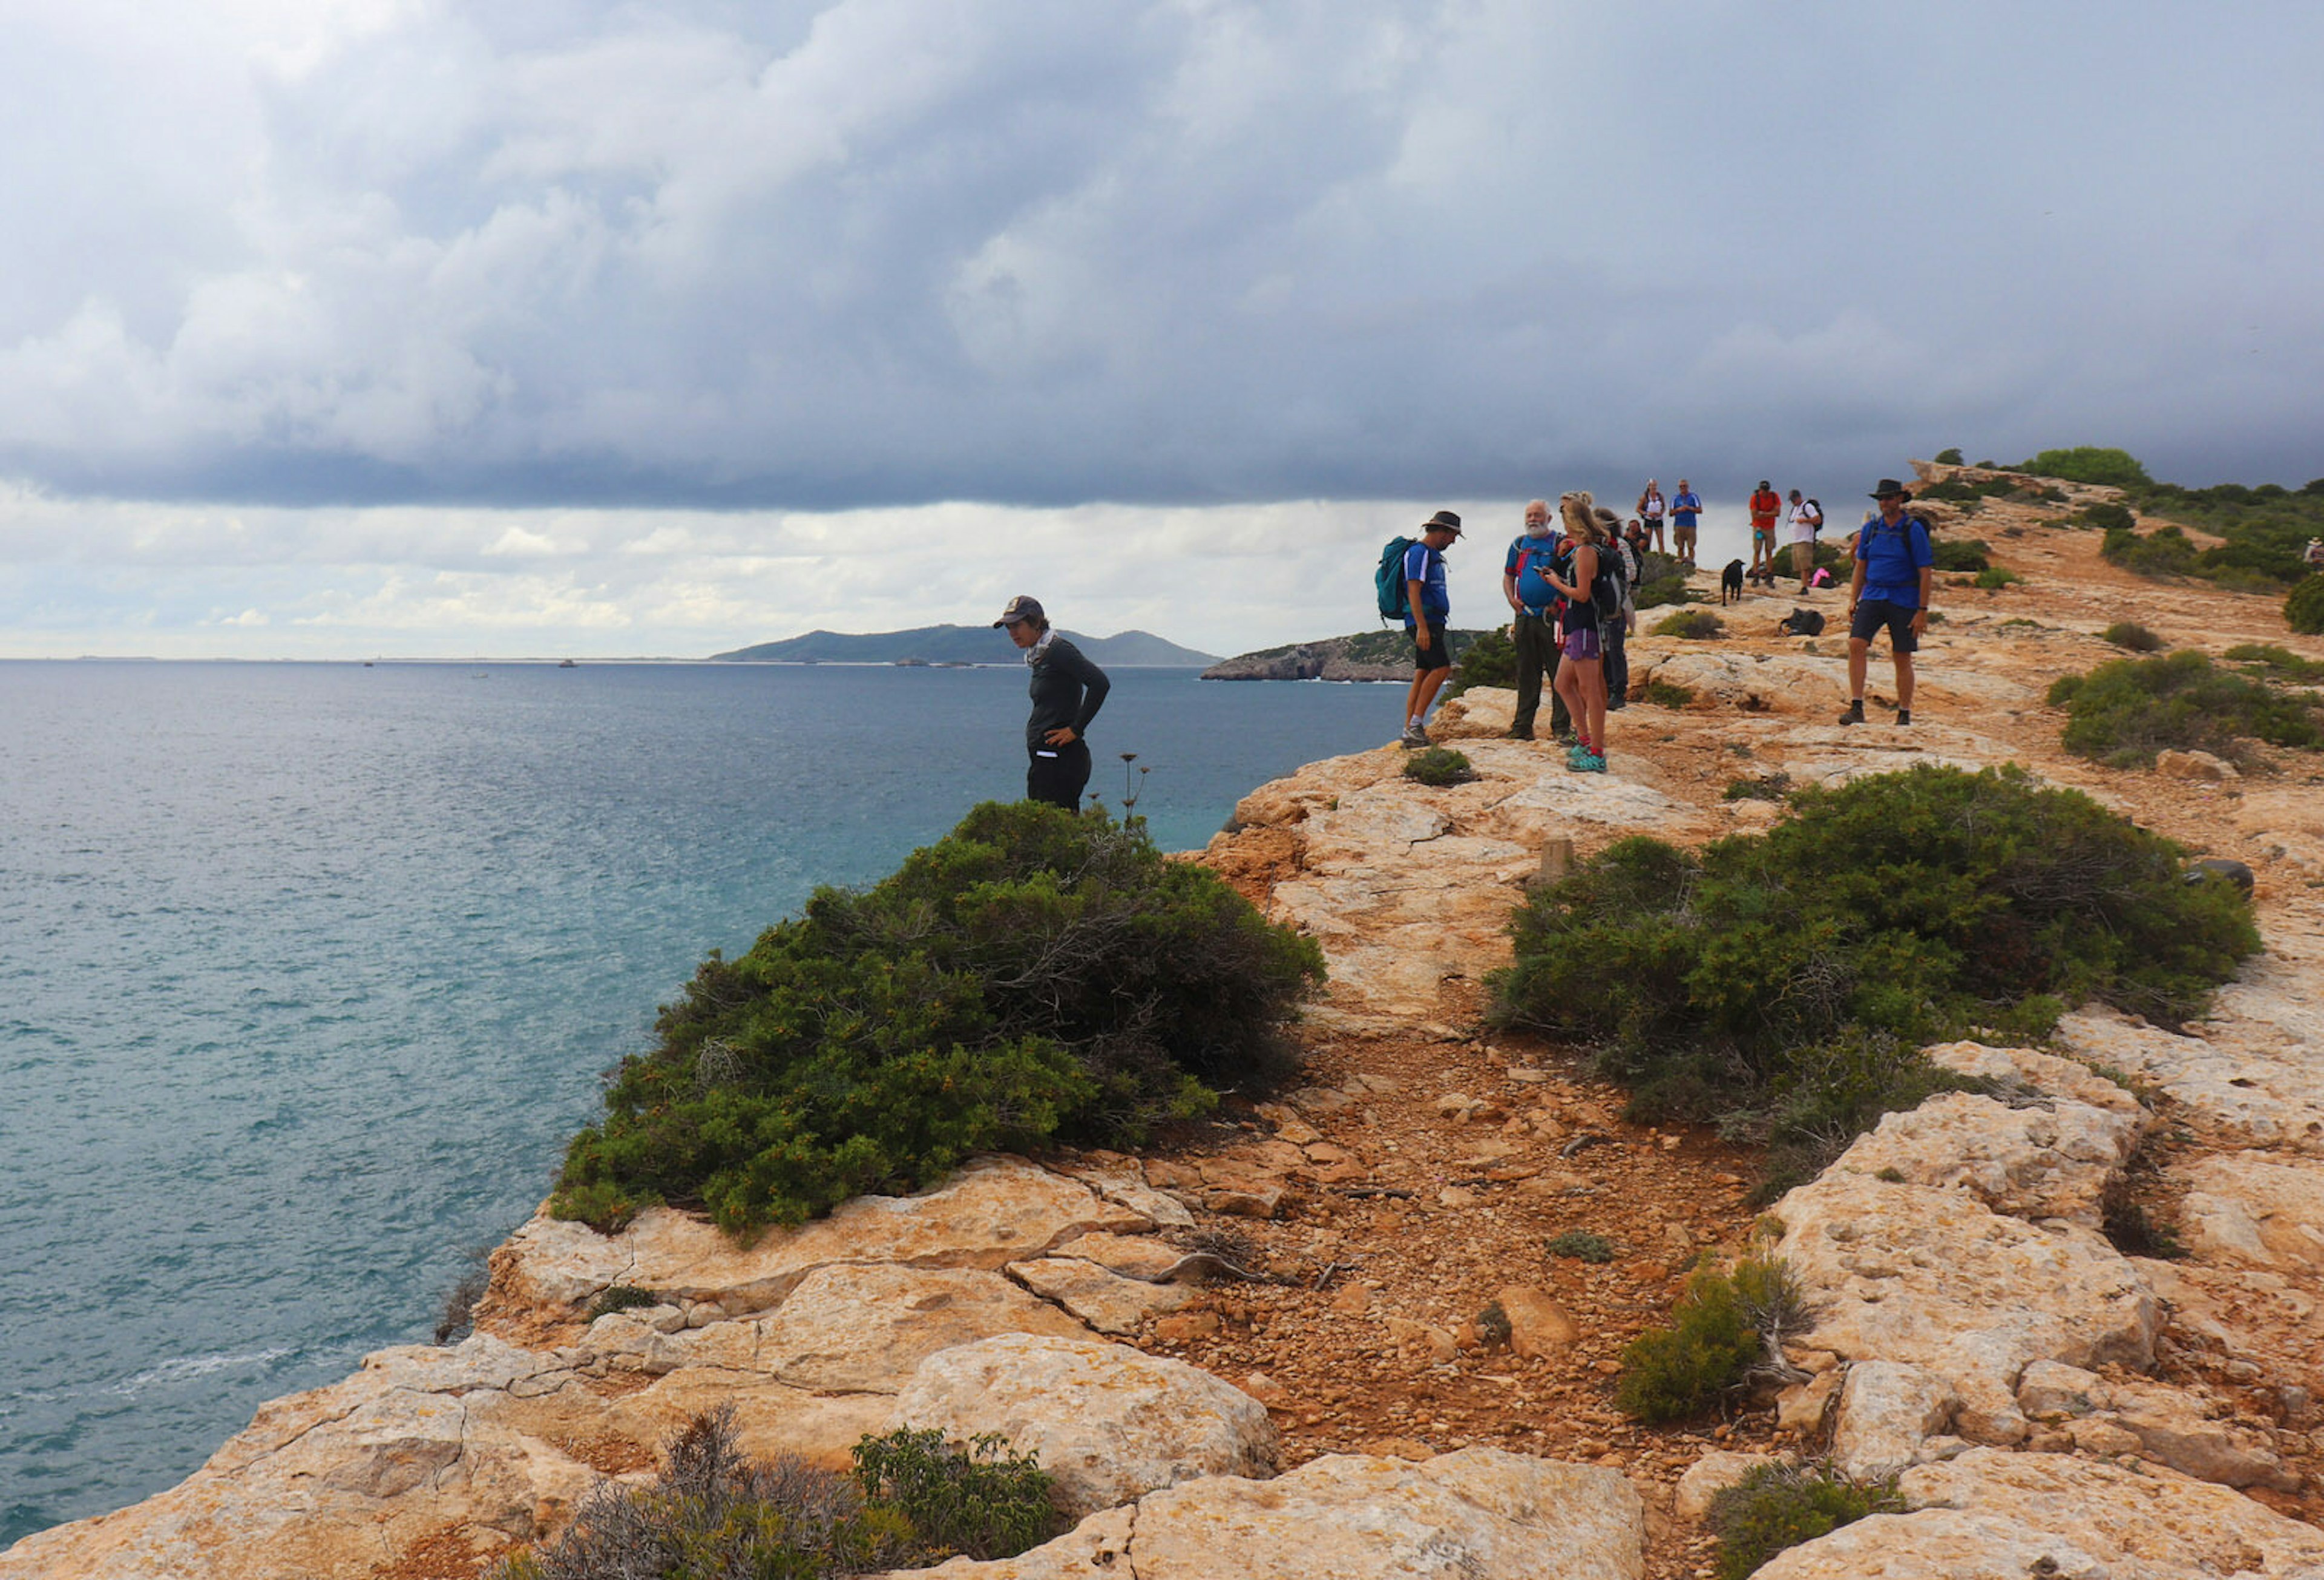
[1067, 691]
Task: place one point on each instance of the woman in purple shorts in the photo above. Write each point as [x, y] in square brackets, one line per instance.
[1581, 673]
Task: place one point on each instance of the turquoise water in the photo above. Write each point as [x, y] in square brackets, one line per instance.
[306, 971]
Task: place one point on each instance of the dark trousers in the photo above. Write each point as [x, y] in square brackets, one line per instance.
[1537, 655]
[1618, 664]
[1057, 779]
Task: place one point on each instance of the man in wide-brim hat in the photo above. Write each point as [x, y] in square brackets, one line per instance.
[1896, 572]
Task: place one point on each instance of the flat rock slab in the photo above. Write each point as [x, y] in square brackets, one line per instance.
[867, 1329]
[2244, 1080]
[1481, 1514]
[2255, 1209]
[1104, 1300]
[1110, 1423]
[994, 1211]
[2049, 1160]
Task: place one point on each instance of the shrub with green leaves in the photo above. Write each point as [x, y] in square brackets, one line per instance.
[2303, 607]
[2123, 712]
[1779, 1506]
[2089, 463]
[1662, 579]
[1781, 983]
[1491, 660]
[1696, 625]
[1950, 455]
[620, 1297]
[2279, 664]
[1036, 973]
[1438, 765]
[711, 1512]
[2106, 516]
[1993, 578]
[2164, 552]
[2131, 635]
[1581, 1246]
[1961, 554]
[1722, 1329]
[1668, 693]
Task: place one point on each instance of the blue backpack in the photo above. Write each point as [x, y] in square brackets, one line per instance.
[1387, 581]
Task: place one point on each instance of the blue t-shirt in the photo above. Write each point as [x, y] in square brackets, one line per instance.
[1685, 508]
[1893, 557]
[1528, 556]
[1425, 566]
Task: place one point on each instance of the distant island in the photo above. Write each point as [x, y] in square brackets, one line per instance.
[958, 643]
[1381, 654]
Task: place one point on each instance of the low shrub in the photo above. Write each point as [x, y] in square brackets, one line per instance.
[2164, 552]
[2303, 607]
[1719, 1334]
[2281, 664]
[2131, 635]
[2123, 712]
[1662, 579]
[1668, 693]
[1993, 578]
[983, 1502]
[1491, 660]
[2109, 517]
[620, 1297]
[1950, 455]
[2089, 463]
[1035, 973]
[1781, 983]
[1438, 765]
[1952, 490]
[1779, 1506]
[1581, 1246]
[1961, 554]
[1772, 787]
[1694, 624]
[710, 1511]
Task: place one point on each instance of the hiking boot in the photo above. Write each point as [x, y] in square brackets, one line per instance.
[1524, 734]
[1904, 715]
[1855, 714]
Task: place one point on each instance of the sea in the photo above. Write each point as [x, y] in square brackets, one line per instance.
[308, 971]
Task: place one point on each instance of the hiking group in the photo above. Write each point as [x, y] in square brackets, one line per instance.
[1570, 588]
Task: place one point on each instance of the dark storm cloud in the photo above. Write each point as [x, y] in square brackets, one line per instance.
[890, 251]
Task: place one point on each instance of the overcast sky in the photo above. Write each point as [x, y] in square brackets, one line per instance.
[343, 326]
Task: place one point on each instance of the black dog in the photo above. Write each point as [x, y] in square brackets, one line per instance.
[1730, 584]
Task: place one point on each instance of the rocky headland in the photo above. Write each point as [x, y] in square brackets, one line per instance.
[2050, 1403]
[1381, 654]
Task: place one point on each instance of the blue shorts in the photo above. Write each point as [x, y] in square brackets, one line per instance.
[1875, 612]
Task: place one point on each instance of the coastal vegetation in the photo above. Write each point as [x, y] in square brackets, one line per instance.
[1723, 1329]
[2132, 637]
[1781, 984]
[2262, 528]
[910, 1501]
[1439, 766]
[1491, 659]
[1778, 1506]
[2303, 607]
[2123, 712]
[1692, 624]
[1036, 973]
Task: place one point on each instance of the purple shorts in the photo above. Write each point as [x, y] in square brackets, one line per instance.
[1583, 643]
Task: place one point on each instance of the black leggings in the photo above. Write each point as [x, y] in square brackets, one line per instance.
[1057, 779]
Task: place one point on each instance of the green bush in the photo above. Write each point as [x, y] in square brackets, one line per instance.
[1438, 765]
[1662, 579]
[985, 1501]
[2107, 516]
[2089, 463]
[2280, 664]
[1772, 786]
[1782, 983]
[1952, 490]
[1695, 624]
[620, 1297]
[1779, 1506]
[1668, 693]
[2131, 635]
[1491, 660]
[1719, 1332]
[1961, 554]
[1581, 1246]
[1950, 455]
[712, 1513]
[2304, 609]
[1035, 973]
[2123, 712]
[1993, 578]
[2164, 552]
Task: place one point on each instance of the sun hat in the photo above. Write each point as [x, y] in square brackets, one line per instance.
[1890, 485]
[1443, 521]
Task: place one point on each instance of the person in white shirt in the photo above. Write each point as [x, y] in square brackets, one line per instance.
[1650, 506]
[1807, 520]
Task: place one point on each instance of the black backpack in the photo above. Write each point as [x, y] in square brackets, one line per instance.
[1606, 589]
[1802, 622]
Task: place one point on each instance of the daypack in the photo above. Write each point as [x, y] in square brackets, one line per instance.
[1387, 581]
[1802, 622]
[1608, 588]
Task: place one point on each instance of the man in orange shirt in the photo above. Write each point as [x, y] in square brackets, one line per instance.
[1765, 508]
